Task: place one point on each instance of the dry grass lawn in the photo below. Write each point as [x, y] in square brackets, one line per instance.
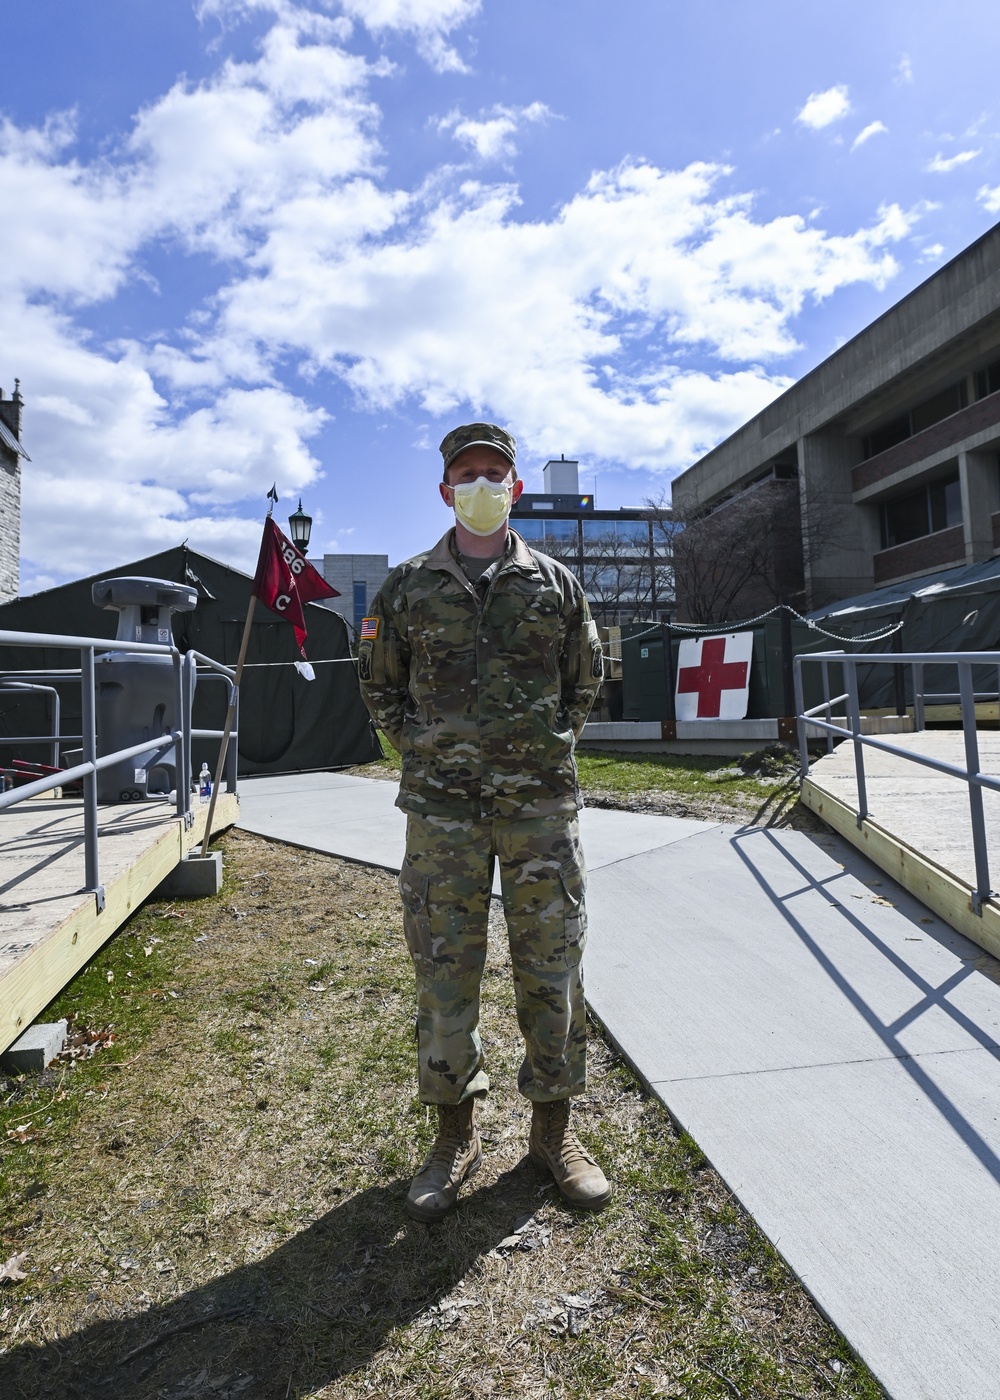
[212, 1207]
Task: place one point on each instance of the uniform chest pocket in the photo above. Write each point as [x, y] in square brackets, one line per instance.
[535, 622]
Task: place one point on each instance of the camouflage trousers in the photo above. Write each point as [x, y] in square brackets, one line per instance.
[445, 885]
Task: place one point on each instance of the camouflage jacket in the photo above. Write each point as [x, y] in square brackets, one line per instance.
[483, 698]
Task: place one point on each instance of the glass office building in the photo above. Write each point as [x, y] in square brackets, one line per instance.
[622, 557]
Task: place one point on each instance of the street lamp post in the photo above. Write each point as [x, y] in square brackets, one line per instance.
[300, 528]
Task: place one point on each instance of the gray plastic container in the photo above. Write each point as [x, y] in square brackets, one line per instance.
[136, 696]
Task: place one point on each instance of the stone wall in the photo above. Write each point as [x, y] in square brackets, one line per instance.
[10, 501]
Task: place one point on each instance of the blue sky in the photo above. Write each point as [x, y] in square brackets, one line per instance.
[250, 240]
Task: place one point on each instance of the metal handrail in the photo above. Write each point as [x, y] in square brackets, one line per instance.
[971, 774]
[185, 677]
[14, 687]
[40, 738]
[59, 642]
[50, 781]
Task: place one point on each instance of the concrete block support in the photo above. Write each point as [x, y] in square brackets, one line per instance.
[36, 1049]
[979, 476]
[838, 537]
[196, 877]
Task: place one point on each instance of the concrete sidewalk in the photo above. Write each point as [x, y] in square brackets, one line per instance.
[356, 818]
[832, 1047]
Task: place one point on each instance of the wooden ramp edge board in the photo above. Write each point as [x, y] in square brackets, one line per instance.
[932, 884]
[55, 960]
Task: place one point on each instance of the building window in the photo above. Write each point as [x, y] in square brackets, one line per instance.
[916, 419]
[887, 436]
[619, 538]
[561, 530]
[360, 602]
[988, 380]
[542, 531]
[936, 506]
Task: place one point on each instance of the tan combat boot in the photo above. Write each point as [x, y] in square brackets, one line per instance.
[553, 1146]
[455, 1156]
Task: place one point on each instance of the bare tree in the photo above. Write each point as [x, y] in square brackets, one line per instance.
[741, 558]
[616, 578]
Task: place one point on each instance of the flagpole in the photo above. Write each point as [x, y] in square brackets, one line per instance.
[272, 496]
[228, 728]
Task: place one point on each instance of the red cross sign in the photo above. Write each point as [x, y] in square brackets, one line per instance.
[713, 676]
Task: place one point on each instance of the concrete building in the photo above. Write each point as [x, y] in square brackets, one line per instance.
[11, 453]
[622, 557]
[892, 444]
[357, 578]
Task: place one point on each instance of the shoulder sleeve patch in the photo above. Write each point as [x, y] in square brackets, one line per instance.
[370, 628]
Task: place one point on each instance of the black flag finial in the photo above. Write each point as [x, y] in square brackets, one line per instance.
[272, 496]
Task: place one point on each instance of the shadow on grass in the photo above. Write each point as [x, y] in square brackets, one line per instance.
[779, 807]
[320, 1306]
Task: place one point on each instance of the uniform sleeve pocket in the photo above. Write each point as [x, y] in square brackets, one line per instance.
[593, 656]
[379, 654]
[416, 918]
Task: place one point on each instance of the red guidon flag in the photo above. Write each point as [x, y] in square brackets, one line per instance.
[285, 580]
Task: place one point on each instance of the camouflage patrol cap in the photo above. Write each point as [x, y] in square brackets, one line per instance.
[478, 435]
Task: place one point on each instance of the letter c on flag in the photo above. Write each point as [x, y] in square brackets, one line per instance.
[281, 602]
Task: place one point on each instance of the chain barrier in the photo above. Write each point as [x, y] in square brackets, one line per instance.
[705, 627]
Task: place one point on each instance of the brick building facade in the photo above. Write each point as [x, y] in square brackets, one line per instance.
[11, 453]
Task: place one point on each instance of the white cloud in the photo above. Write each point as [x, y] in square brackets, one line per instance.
[430, 21]
[875, 128]
[941, 165]
[492, 134]
[989, 198]
[823, 108]
[588, 313]
[116, 467]
[206, 168]
[904, 71]
[586, 326]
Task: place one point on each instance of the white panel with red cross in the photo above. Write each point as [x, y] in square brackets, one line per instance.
[713, 676]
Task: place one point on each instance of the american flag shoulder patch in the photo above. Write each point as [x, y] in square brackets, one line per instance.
[369, 628]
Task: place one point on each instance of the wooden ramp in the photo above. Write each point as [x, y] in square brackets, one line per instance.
[49, 927]
[918, 829]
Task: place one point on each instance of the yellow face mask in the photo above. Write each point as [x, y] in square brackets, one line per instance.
[482, 506]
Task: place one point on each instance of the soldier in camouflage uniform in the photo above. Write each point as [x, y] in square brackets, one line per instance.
[480, 662]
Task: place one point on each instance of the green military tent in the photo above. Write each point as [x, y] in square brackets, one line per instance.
[286, 723]
[952, 610]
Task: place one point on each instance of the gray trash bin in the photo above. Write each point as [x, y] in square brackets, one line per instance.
[136, 697]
